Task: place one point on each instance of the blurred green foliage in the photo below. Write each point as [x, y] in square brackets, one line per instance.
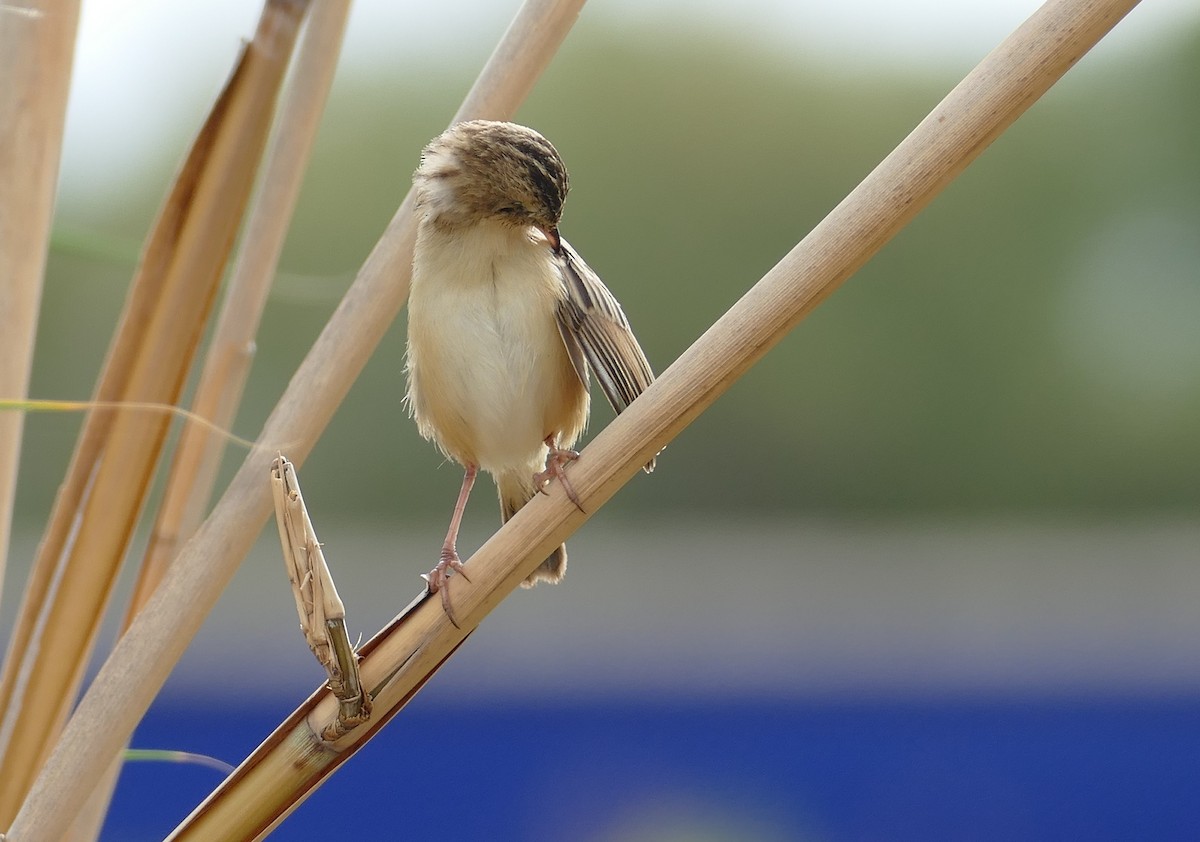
[1029, 343]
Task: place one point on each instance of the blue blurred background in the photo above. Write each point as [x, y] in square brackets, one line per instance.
[927, 572]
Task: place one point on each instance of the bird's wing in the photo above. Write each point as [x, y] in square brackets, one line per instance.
[593, 325]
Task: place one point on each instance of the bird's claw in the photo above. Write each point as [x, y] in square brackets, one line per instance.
[557, 458]
[438, 580]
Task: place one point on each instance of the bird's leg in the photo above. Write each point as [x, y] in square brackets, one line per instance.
[557, 458]
[438, 577]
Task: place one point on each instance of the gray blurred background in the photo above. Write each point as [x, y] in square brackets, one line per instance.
[972, 471]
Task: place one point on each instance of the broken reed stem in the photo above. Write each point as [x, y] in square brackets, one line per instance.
[37, 45]
[293, 761]
[321, 611]
[142, 659]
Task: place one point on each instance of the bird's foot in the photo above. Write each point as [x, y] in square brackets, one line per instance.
[557, 458]
[438, 579]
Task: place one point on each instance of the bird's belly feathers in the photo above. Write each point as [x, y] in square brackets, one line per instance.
[489, 377]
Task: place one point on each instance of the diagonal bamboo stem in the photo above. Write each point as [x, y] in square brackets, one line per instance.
[143, 658]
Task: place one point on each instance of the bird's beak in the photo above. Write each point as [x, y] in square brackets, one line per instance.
[554, 238]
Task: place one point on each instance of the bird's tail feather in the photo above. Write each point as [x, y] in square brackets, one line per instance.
[516, 489]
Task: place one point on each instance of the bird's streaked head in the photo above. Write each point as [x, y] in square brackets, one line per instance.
[483, 169]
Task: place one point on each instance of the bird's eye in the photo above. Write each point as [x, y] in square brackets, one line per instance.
[510, 210]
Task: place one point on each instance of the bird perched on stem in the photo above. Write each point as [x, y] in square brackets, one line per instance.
[504, 322]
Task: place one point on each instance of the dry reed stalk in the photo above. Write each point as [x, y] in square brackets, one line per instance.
[231, 350]
[37, 45]
[227, 363]
[294, 760]
[110, 472]
[992, 96]
[142, 659]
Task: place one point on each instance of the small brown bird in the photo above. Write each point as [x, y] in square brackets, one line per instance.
[504, 322]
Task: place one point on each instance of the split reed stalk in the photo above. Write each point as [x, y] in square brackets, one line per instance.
[227, 362]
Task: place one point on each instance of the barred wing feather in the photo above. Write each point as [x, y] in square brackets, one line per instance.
[594, 328]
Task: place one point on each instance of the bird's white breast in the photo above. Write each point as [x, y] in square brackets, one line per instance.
[485, 358]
